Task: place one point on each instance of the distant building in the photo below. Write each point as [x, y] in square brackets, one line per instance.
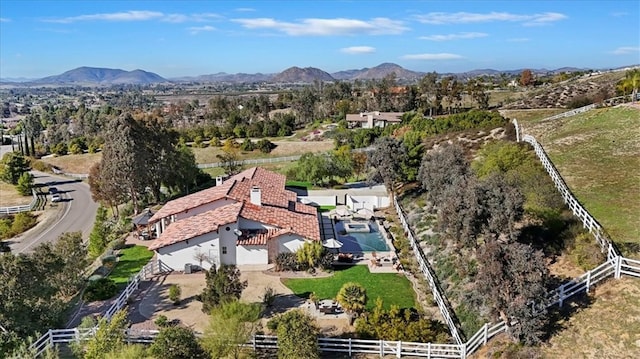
[374, 119]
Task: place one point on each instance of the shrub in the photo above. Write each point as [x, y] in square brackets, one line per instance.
[288, 262]
[101, 289]
[109, 260]
[162, 321]
[40, 166]
[585, 252]
[174, 294]
[326, 261]
[25, 184]
[269, 296]
[22, 222]
[265, 146]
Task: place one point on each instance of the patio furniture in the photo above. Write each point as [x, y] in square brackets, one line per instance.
[345, 257]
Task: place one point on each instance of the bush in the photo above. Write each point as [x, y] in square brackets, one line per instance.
[40, 166]
[22, 222]
[162, 321]
[25, 184]
[288, 262]
[585, 252]
[269, 296]
[109, 260]
[101, 289]
[174, 294]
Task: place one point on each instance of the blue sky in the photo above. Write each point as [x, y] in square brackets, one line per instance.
[186, 38]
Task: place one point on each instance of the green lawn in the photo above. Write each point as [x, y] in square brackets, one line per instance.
[131, 260]
[598, 155]
[391, 287]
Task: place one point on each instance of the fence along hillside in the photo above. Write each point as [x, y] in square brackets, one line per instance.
[615, 265]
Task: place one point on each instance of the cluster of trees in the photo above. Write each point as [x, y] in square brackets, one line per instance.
[34, 288]
[14, 169]
[139, 157]
[480, 210]
[324, 168]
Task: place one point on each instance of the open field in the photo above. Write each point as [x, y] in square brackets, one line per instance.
[531, 115]
[598, 155]
[394, 289]
[9, 196]
[74, 163]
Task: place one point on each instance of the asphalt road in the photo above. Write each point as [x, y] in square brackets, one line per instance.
[76, 212]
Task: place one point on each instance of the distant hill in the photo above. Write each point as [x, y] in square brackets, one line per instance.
[225, 77]
[386, 69]
[301, 75]
[102, 76]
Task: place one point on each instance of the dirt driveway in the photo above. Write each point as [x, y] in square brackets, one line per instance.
[154, 301]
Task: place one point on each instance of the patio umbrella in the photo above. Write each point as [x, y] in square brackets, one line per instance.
[343, 211]
[143, 218]
[365, 213]
[332, 243]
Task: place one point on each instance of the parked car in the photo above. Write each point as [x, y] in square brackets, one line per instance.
[53, 190]
[56, 198]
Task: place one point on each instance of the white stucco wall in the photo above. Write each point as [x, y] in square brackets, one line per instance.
[369, 202]
[289, 243]
[179, 254]
[251, 255]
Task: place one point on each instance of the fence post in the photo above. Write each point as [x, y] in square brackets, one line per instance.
[588, 281]
[486, 332]
[618, 267]
[561, 294]
[381, 348]
[253, 341]
[463, 350]
[349, 346]
[399, 349]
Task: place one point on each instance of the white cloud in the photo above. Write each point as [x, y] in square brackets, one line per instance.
[625, 50]
[448, 37]
[137, 16]
[198, 29]
[440, 56]
[356, 50]
[4, 19]
[327, 27]
[439, 18]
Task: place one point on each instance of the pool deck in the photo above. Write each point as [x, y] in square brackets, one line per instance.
[378, 261]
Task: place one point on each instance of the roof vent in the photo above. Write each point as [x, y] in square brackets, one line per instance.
[256, 196]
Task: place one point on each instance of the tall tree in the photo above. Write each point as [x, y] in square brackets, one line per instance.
[526, 78]
[512, 277]
[12, 166]
[387, 159]
[352, 297]
[440, 168]
[177, 343]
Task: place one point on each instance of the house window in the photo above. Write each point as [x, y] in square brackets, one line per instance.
[224, 250]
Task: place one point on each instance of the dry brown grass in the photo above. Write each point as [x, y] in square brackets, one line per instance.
[74, 163]
[9, 196]
[609, 328]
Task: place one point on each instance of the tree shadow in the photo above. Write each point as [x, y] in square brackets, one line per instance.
[284, 302]
[558, 317]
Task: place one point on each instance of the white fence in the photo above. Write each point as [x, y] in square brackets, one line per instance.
[429, 274]
[319, 200]
[368, 202]
[578, 210]
[24, 208]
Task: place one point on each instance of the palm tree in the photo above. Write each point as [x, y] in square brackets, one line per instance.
[631, 82]
[352, 297]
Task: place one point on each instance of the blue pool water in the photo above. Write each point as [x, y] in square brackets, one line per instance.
[355, 242]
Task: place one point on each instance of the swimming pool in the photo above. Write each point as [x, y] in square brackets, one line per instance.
[355, 242]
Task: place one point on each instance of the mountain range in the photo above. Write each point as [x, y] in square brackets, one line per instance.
[94, 76]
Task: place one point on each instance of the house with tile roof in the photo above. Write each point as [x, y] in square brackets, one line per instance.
[247, 219]
[373, 119]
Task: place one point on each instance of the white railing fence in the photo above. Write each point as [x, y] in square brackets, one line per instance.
[578, 210]
[24, 208]
[255, 161]
[429, 274]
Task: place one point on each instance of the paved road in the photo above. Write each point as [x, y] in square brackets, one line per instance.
[76, 212]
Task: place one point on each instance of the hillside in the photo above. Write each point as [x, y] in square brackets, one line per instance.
[301, 75]
[103, 76]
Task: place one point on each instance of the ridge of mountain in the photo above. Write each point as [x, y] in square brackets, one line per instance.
[104, 76]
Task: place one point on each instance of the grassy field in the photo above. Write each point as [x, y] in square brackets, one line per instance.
[74, 163]
[587, 335]
[394, 289]
[598, 155]
[9, 196]
[531, 115]
[130, 261]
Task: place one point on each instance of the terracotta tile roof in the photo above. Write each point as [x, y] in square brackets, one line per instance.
[197, 225]
[273, 195]
[261, 177]
[261, 237]
[193, 200]
[305, 225]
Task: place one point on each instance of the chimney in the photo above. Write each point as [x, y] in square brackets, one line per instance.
[256, 196]
[219, 181]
